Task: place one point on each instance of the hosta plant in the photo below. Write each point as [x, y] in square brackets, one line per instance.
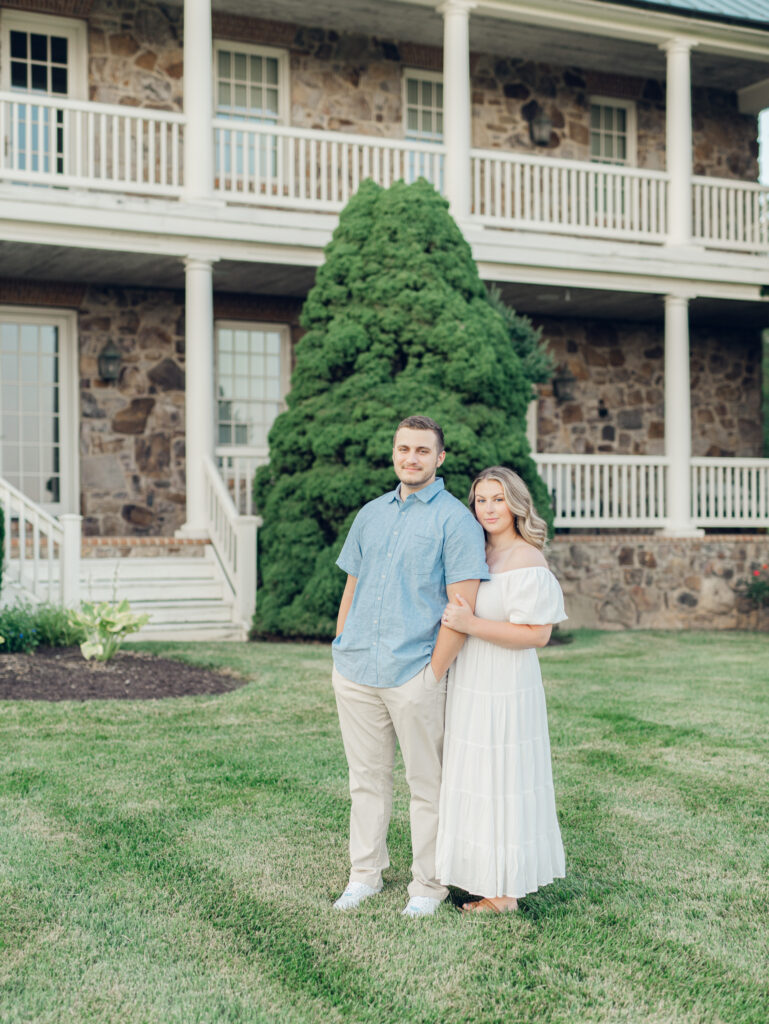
[105, 626]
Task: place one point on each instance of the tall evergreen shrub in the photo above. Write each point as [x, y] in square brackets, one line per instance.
[398, 323]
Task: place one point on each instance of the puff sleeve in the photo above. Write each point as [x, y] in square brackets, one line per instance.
[533, 597]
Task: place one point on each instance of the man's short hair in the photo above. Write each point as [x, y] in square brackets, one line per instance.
[421, 423]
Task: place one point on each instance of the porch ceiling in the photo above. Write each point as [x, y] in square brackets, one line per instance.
[71, 265]
[391, 19]
[587, 303]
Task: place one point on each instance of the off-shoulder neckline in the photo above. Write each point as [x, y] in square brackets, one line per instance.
[522, 568]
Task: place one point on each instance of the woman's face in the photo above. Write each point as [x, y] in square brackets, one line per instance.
[491, 509]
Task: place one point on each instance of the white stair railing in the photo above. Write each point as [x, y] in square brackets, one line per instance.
[90, 145]
[41, 554]
[730, 492]
[570, 196]
[605, 490]
[234, 539]
[237, 466]
[731, 214]
[300, 168]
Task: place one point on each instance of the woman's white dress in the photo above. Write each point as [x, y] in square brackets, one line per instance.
[498, 833]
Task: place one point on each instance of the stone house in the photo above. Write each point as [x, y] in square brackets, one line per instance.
[170, 174]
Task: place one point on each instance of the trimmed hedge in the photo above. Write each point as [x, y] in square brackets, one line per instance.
[398, 324]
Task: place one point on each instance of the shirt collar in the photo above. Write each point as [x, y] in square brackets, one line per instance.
[424, 495]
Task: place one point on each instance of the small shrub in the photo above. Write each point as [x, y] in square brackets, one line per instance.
[756, 588]
[18, 628]
[55, 626]
[104, 627]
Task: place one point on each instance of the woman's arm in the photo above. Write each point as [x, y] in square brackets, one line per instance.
[459, 616]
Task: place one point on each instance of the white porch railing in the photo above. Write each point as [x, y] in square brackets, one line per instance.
[237, 466]
[277, 165]
[568, 196]
[731, 214]
[605, 490]
[90, 145]
[41, 554]
[730, 492]
[234, 539]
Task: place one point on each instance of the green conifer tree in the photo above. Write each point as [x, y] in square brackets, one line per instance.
[398, 324]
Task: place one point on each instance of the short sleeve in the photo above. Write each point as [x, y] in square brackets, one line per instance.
[464, 551]
[351, 556]
[532, 597]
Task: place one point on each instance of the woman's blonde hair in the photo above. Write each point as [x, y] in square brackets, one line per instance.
[527, 523]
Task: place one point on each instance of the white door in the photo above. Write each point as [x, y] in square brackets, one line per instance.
[38, 407]
[43, 56]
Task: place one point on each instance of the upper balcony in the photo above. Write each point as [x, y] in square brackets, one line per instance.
[293, 119]
[135, 151]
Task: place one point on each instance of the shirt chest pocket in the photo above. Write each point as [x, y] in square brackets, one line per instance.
[422, 554]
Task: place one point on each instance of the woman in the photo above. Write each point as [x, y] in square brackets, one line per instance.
[498, 835]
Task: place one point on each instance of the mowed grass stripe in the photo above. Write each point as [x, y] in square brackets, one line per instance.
[177, 860]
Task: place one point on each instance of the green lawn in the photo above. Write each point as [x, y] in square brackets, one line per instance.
[175, 861]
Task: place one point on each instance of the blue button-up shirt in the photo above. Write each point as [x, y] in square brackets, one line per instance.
[403, 554]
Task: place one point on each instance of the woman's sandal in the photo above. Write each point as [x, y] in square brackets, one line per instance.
[486, 906]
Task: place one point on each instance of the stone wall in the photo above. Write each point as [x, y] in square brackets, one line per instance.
[135, 54]
[618, 401]
[653, 582]
[132, 431]
[353, 83]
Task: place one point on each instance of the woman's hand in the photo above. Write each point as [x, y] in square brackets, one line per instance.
[458, 615]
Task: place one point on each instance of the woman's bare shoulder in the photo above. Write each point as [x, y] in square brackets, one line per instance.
[526, 556]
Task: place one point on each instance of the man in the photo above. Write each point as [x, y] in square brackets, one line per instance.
[407, 553]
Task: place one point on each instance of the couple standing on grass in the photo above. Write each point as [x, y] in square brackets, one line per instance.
[419, 599]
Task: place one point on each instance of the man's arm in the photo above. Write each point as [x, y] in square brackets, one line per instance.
[449, 642]
[346, 602]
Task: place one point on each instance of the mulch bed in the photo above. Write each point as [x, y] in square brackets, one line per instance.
[61, 673]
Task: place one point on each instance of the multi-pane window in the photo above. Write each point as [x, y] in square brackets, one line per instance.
[39, 62]
[249, 86]
[30, 409]
[423, 107]
[612, 132]
[423, 122]
[251, 380]
[44, 59]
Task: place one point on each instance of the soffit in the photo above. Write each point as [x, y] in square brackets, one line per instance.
[393, 20]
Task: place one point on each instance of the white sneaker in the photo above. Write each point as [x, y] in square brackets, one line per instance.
[421, 906]
[354, 895]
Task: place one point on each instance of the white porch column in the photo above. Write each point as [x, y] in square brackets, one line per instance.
[199, 388]
[198, 101]
[457, 110]
[678, 425]
[678, 144]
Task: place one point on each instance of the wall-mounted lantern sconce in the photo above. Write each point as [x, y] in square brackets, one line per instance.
[563, 385]
[541, 128]
[110, 359]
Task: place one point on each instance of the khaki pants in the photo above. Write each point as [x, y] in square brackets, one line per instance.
[371, 719]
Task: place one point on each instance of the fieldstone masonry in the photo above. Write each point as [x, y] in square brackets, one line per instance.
[618, 392]
[353, 83]
[132, 431]
[652, 582]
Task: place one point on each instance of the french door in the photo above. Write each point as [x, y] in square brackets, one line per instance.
[43, 63]
[38, 406]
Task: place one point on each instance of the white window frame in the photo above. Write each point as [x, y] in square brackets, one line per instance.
[284, 78]
[76, 32]
[284, 330]
[65, 320]
[436, 77]
[631, 123]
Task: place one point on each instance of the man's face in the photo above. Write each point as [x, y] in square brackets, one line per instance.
[416, 458]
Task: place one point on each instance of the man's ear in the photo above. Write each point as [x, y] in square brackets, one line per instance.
[441, 457]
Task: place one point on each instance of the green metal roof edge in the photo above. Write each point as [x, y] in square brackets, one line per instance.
[707, 15]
